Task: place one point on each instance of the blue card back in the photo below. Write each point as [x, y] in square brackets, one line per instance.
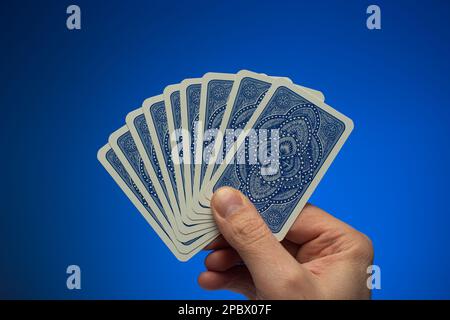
[131, 153]
[307, 135]
[193, 92]
[249, 95]
[217, 95]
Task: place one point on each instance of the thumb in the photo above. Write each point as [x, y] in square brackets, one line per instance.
[244, 229]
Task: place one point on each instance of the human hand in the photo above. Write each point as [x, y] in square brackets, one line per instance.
[321, 257]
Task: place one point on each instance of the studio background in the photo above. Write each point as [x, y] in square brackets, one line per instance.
[63, 92]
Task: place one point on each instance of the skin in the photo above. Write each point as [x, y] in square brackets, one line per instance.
[321, 257]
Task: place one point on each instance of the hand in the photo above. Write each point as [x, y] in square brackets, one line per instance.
[321, 257]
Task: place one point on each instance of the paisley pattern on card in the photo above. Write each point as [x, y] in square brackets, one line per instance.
[217, 95]
[130, 151]
[114, 161]
[193, 92]
[176, 113]
[159, 117]
[250, 94]
[307, 134]
[142, 129]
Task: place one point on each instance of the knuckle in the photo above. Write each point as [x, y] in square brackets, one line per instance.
[363, 247]
[293, 279]
[247, 229]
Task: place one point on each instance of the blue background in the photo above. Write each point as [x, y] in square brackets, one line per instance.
[63, 92]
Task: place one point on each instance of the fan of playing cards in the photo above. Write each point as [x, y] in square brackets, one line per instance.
[271, 139]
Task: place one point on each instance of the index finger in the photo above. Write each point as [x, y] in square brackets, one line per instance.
[217, 243]
[312, 222]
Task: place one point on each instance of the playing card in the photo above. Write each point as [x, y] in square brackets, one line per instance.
[137, 124]
[190, 95]
[146, 180]
[244, 98]
[148, 209]
[215, 90]
[310, 134]
[173, 114]
[156, 118]
[179, 144]
[271, 139]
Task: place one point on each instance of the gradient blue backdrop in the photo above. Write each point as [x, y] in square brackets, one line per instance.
[63, 92]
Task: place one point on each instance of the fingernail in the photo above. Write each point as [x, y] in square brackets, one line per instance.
[227, 201]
